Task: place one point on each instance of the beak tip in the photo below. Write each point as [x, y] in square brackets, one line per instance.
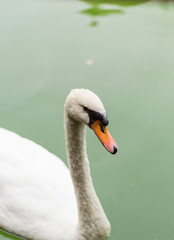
[115, 149]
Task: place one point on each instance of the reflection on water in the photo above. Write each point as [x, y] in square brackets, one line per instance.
[8, 236]
[100, 8]
[95, 10]
[116, 2]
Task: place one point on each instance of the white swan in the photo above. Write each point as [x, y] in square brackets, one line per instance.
[37, 199]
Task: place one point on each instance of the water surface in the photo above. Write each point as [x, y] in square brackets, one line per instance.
[123, 51]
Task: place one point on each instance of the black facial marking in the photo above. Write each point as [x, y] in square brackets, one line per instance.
[94, 116]
[105, 121]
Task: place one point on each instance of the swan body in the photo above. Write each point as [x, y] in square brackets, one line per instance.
[40, 198]
[33, 199]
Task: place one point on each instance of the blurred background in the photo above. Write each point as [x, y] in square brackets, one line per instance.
[124, 52]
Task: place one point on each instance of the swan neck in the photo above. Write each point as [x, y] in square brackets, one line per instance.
[90, 211]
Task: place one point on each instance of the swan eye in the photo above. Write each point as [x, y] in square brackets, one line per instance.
[85, 109]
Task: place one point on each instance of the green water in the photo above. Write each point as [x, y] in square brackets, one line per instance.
[123, 51]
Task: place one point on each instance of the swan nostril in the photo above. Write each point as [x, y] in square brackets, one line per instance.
[102, 129]
[114, 150]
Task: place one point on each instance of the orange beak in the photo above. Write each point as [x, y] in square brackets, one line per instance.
[104, 136]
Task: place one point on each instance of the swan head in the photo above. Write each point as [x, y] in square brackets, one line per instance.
[86, 107]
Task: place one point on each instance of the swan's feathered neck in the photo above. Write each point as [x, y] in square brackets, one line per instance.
[93, 223]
